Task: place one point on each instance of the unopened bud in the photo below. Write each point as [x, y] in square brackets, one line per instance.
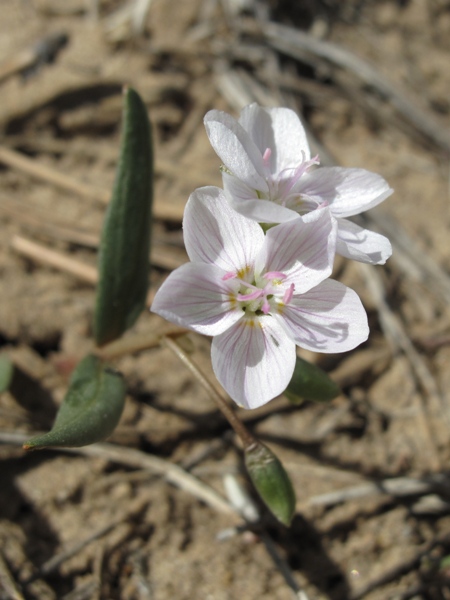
[271, 481]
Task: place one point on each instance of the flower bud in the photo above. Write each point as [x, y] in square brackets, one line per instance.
[271, 481]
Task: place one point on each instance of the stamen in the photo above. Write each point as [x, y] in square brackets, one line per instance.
[266, 157]
[274, 275]
[265, 306]
[229, 275]
[303, 167]
[288, 294]
[252, 296]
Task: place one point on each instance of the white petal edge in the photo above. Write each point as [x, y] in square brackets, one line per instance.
[328, 318]
[195, 296]
[216, 234]
[235, 148]
[254, 360]
[290, 139]
[279, 129]
[362, 245]
[245, 201]
[348, 191]
[302, 251]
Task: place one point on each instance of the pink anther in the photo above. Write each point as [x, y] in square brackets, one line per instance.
[252, 296]
[265, 306]
[266, 156]
[229, 275]
[288, 294]
[274, 275]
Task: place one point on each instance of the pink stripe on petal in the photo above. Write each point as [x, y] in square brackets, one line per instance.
[361, 244]
[303, 251]
[216, 234]
[253, 360]
[328, 318]
[195, 296]
[235, 148]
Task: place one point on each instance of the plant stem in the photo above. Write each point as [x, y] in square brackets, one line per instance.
[241, 430]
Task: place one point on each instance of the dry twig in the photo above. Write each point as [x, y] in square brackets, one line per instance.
[51, 565]
[8, 586]
[52, 258]
[302, 45]
[136, 459]
[161, 208]
[44, 51]
[60, 261]
[394, 331]
[401, 568]
[398, 487]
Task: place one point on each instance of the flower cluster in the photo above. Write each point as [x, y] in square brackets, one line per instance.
[262, 250]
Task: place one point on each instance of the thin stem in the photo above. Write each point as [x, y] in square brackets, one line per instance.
[242, 431]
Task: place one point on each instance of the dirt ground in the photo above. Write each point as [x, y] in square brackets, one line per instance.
[370, 469]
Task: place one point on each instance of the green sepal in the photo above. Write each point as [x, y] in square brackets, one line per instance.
[90, 410]
[310, 382]
[125, 244]
[6, 372]
[271, 481]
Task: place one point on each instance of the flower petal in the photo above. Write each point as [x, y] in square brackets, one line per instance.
[328, 318]
[236, 149]
[215, 233]
[196, 296]
[348, 191]
[302, 251]
[245, 201]
[361, 244]
[280, 130]
[253, 360]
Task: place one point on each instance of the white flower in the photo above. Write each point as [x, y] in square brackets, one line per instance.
[259, 295]
[269, 176]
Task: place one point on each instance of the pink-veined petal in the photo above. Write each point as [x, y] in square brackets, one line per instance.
[253, 360]
[347, 191]
[245, 201]
[361, 244]
[328, 318]
[302, 251]
[196, 296]
[235, 148]
[291, 145]
[256, 121]
[280, 130]
[214, 233]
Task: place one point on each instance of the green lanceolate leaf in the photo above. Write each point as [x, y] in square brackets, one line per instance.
[271, 481]
[310, 382]
[6, 372]
[125, 244]
[91, 408]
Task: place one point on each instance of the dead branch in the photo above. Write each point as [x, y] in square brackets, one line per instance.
[302, 45]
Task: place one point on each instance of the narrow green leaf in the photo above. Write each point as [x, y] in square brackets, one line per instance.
[271, 481]
[91, 408]
[310, 382]
[125, 244]
[6, 372]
